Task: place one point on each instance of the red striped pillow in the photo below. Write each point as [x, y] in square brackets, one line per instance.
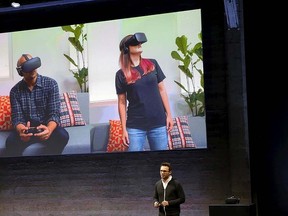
[180, 136]
[70, 114]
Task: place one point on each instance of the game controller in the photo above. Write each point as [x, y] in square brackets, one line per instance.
[33, 130]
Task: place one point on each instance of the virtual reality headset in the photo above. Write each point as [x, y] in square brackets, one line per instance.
[29, 65]
[137, 38]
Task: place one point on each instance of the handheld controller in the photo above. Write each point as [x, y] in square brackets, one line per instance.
[33, 130]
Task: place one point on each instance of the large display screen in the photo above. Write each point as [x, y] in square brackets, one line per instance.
[91, 115]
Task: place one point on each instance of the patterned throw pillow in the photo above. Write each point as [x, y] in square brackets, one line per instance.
[70, 114]
[180, 136]
[5, 114]
[115, 143]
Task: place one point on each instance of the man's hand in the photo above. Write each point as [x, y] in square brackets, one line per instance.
[46, 130]
[45, 134]
[165, 203]
[157, 204]
[21, 129]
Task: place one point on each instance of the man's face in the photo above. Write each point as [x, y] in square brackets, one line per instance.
[164, 172]
[28, 76]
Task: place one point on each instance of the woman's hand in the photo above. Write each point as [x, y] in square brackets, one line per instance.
[169, 123]
[125, 138]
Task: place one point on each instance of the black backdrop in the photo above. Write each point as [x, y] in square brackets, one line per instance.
[267, 110]
[57, 13]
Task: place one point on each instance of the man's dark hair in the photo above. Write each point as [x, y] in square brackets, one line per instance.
[167, 164]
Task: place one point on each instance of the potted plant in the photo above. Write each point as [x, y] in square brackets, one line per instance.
[191, 63]
[78, 40]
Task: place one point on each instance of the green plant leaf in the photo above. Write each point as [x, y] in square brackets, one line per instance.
[181, 86]
[77, 41]
[175, 55]
[83, 73]
[181, 42]
[67, 28]
[198, 50]
[186, 71]
[77, 32]
[70, 60]
[189, 59]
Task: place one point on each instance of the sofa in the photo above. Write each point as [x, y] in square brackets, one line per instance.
[79, 136]
[99, 134]
[94, 138]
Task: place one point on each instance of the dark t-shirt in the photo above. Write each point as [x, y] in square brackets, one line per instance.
[145, 106]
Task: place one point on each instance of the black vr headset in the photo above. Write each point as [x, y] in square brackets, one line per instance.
[137, 38]
[29, 65]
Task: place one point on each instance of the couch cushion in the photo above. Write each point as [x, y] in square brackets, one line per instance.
[79, 140]
[70, 114]
[180, 136]
[5, 114]
[3, 137]
[99, 136]
[83, 100]
[115, 143]
[108, 136]
[197, 125]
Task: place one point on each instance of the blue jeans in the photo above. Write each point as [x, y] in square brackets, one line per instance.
[53, 146]
[157, 138]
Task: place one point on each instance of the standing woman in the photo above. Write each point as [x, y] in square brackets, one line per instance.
[139, 83]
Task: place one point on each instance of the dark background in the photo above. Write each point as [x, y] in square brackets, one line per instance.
[246, 127]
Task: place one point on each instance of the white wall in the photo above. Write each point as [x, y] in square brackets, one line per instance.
[103, 51]
[49, 44]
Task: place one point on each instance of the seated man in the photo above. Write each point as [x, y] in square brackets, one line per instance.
[35, 108]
